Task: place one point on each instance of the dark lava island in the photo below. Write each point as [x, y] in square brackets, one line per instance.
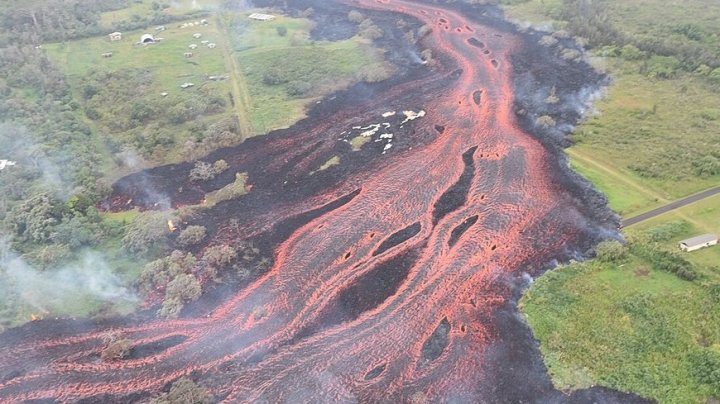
[394, 274]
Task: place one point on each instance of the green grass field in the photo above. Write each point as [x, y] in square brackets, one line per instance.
[315, 68]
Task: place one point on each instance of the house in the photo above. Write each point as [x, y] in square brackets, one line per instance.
[211, 45]
[147, 39]
[186, 85]
[696, 243]
[188, 54]
[192, 46]
[197, 35]
[107, 54]
[261, 17]
[115, 36]
[204, 22]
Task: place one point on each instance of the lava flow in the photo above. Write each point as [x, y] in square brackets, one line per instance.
[390, 274]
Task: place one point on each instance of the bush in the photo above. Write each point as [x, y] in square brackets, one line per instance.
[185, 391]
[705, 368]
[220, 255]
[355, 16]
[117, 349]
[281, 30]
[611, 251]
[191, 235]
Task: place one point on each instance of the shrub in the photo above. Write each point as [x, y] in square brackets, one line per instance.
[220, 255]
[117, 349]
[191, 235]
[610, 251]
[546, 121]
[281, 30]
[182, 289]
[185, 391]
[355, 16]
[705, 368]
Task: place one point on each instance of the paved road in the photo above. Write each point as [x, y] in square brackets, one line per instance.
[671, 206]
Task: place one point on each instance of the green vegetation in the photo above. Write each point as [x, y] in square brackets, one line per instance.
[185, 391]
[643, 336]
[77, 111]
[664, 100]
[642, 317]
[315, 68]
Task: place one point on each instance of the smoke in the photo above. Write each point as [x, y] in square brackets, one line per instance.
[32, 162]
[58, 290]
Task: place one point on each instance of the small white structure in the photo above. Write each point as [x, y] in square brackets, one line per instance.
[164, 94]
[6, 163]
[261, 17]
[186, 85]
[147, 39]
[197, 35]
[188, 54]
[204, 22]
[107, 54]
[160, 28]
[696, 243]
[115, 36]
[211, 45]
[192, 46]
[204, 42]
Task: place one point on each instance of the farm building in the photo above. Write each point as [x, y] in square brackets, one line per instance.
[115, 36]
[261, 17]
[696, 243]
[147, 38]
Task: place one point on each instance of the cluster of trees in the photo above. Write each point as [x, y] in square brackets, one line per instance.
[366, 27]
[172, 276]
[691, 49]
[661, 260]
[123, 102]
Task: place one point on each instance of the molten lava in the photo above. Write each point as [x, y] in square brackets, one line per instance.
[387, 287]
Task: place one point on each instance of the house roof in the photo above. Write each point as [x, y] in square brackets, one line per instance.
[259, 16]
[705, 238]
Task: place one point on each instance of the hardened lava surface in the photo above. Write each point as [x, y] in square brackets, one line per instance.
[394, 274]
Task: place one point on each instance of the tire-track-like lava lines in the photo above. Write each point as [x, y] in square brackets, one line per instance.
[466, 211]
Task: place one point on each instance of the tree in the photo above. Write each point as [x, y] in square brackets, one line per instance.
[281, 30]
[191, 235]
[182, 289]
[35, 218]
[146, 232]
